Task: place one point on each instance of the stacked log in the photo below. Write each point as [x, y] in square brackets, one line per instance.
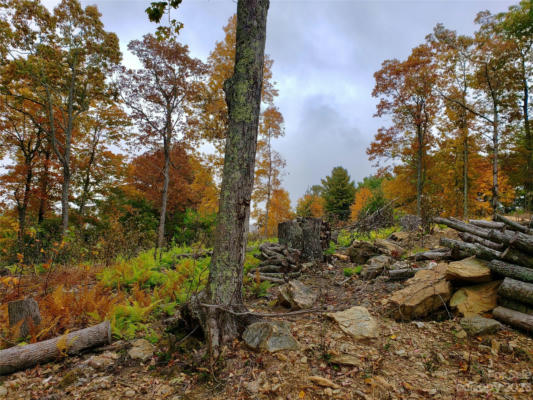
[311, 236]
[508, 246]
[279, 263]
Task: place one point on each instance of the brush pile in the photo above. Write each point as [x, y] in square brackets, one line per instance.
[279, 263]
[508, 246]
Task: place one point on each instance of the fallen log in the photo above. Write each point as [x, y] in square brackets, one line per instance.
[512, 224]
[21, 357]
[512, 271]
[517, 290]
[436, 255]
[514, 318]
[515, 305]
[514, 239]
[463, 227]
[263, 278]
[487, 224]
[404, 273]
[468, 237]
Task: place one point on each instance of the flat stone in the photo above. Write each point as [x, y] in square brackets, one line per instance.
[360, 251]
[476, 299]
[427, 291]
[477, 325]
[102, 361]
[270, 336]
[3, 391]
[296, 295]
[356, 322]
[141, 349]
[346, 359]
[381, 261]
[470, 269]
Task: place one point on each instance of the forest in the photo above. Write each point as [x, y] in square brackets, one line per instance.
[149, 247]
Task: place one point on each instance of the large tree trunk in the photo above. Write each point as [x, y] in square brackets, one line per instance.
[243, 97]
[65, 188]
[306, 235]
[21, 357]
[26, 310]
[43, 204]
[419, 172]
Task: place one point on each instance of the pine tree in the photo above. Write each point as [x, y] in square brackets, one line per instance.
[339, 194]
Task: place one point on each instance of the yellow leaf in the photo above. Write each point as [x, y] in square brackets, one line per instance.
[301, 395]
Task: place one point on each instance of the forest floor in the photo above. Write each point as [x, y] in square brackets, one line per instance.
[424, 359]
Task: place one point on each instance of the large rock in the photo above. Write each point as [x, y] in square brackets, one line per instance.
[360, 251]
[470, 269]
[427, 291]
[270, 336]
[296, 295]
[477, 299]
[375, 267]
[410, 222]
[389, 248]
[141, 349]
[477, 325]
[356, 322]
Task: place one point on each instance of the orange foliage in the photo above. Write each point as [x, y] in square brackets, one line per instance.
[279, 211]
[310, 205]
[362, 197]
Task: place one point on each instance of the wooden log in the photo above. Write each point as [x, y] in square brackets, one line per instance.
[463, 227]
[514, 318]
[512, 271]
[517, 290]
[512, 224]
[27, 311]
[487, 224]
[436, 255]
[468, 237]
[473, 249]
[263, 278]
[516, 256]
[306, 235]
[518, 240]
[21, 357]
[515, 305]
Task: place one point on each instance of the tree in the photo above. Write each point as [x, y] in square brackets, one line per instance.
[268, 164]
[338, 193]
[160, 96]
[362, 198]
[63, 60]
[405, 89]
[310, 205]
[279, 210]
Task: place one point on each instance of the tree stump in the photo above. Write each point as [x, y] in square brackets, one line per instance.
[26, 310]
[309, 235]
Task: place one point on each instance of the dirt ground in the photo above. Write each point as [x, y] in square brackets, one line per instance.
[409, 360]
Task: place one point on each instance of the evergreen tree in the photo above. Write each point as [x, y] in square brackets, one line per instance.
[339, 194]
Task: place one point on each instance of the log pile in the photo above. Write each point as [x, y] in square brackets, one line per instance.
[508, 246]
[279, 263]
[311, 236]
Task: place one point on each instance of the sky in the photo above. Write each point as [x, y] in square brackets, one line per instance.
[325, 53]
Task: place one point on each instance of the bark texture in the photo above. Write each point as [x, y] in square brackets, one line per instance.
[512, 271]
[243, 97]
[26, 310]
[517, 290]
[21, 357]
[309, 235]
[514, 318]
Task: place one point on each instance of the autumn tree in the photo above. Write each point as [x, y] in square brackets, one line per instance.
[405, 92]
[279, 210]
[310, 205]
[338, 193]
[160, 95]
[62, 60]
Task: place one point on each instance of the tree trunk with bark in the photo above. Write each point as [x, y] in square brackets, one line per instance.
[512, 271]
[26, 310]
[243, 96]
[164, 198]
[514, 318]
[517, 290]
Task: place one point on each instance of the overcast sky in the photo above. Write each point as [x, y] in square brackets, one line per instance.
[325, 54]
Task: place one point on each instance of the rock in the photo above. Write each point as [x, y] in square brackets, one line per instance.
[461, 334]
[271, 336]
[382, 261]
[102, 361]
[470, 269]
[427, 291]
[141, 349]
[477, 325]
[129, 393]
[3, 391]
[360, 251]
[400, 265]
[356, 322]
[346, 359]
[296, 295]
[341, 257]
[477, 299]
[323, 382]
[389, 248]
[369, 272]
[252, 387]
[410, 222]
[400, 236]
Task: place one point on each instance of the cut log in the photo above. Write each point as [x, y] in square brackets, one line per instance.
[263, 278]
[21, 357]
[463, 227]
[514, 318]
[401, 274]
[487, 224]
[468, 237]
[512, 271]
[309, 235]
[515, 305]
[473, 249]
[518, 240]
[517, 290]
[26, 310]
[436, 255]
[512, 224]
